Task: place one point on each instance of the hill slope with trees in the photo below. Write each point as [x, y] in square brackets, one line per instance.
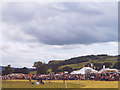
[78, 62]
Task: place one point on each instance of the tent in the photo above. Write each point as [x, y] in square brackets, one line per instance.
[107, 70]
[84, 70]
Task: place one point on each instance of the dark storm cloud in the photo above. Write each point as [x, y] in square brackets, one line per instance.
[64, 23]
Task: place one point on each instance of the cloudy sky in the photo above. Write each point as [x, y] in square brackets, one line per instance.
[57, 30]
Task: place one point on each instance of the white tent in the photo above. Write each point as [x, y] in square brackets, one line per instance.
[84, 70]
[65, 72]
[107, 70]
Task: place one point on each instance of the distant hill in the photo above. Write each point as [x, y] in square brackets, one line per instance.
[55, 61]
[78, 62]
[3, 67]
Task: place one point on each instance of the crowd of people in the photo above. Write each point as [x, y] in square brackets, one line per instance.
[87, 76]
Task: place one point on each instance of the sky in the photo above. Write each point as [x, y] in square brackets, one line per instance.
[47, 31]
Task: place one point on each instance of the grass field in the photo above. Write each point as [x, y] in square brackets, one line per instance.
[60, 84]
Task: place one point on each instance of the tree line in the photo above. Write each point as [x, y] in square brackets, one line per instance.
[9, 70]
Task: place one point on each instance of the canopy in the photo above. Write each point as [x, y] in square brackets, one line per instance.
[84, 70]
[108, 70]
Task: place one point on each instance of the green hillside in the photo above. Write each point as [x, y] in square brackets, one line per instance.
[78, 62]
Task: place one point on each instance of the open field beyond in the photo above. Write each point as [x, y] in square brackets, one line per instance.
[60, 84]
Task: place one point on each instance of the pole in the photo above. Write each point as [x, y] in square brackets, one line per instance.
[64, 79]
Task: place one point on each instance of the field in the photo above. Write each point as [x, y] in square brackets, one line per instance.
[60, 84]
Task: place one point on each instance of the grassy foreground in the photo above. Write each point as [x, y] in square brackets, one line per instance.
[60, 84]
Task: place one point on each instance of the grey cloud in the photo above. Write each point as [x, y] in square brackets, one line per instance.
[75, 23]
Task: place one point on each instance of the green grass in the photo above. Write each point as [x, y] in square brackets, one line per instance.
[60, 84]
[33, 72]
[50, 71]
[27, 84]
[74, 66]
